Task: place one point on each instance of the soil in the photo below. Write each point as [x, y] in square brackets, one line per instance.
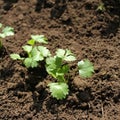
[73, 24]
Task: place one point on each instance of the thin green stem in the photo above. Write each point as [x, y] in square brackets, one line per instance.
[1, 44]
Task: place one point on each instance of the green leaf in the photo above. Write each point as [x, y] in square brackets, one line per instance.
[65, 69]
[29, 62]
[2, 35]
[31, 42]
[39, 38]
[1, 25]
[7, 31]
[50, 60]
[60, 73]
[60, 77]
[35, 54]
[55, 68]
[60, 53]
[69, 56]
[51, 71]
[53, 65]
[16, 57]
[54, 61]
[58, 62]
[59, 90]
[66, 55]
[44, 51]
[86, 68]
[27, 48]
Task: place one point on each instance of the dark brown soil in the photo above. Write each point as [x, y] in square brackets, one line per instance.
[72, 24]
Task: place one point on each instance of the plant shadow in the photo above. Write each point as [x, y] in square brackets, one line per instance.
[43, 4]
[35, 76]
[39, 5]
[59, 8]
[9, 4]
[6, 72]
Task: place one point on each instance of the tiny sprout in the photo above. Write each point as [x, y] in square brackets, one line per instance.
[101, 7]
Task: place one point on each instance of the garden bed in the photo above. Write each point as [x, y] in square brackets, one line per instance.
[76, 25]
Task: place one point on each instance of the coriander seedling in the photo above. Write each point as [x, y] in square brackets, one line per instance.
[55, 66]
[35, 53]
[5, 31]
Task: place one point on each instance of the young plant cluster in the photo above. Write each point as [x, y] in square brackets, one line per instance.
[5, 31]
[57, 66]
